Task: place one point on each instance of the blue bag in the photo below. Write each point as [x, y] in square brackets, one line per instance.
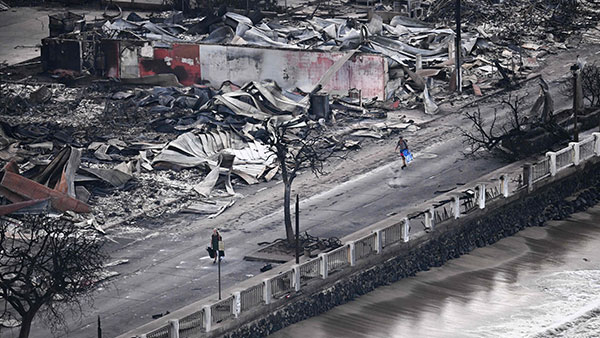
[407, 155]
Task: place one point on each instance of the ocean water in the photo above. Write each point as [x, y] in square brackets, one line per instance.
[542, 282]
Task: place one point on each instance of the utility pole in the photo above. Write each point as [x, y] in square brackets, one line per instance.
[99, 328]
[457, 49]
[297, 230]
[575, 69]
[218, 253]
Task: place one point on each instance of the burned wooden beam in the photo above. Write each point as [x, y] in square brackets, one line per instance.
[33, 190]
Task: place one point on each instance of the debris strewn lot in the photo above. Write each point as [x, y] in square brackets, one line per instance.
[141, 144]
[150, 152]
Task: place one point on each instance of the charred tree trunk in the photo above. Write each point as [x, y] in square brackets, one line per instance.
[303, 148]
[287, 215]
[58, 254]
[26, 325]
[288, 178]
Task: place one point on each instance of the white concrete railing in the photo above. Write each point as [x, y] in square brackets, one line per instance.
[336, 260]
[377, 242]
[192, 325]
[443, 211]
[282, 284]
[541, 169]
[365, 246]
[515, 181]
[309, 270]
[252, 297]
[419, 220]
[392, 234]
[564, 158]
[163, 332]
[493, 189]
[222, 310]
[587, 148]
[467, 202]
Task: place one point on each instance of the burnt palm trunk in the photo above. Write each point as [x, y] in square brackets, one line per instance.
[287, 215]
[287, 178]
[26, 325]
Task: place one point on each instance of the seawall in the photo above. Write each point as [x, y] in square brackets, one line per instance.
[556, 199]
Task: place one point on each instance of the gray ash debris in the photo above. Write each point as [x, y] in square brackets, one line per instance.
[511, 20]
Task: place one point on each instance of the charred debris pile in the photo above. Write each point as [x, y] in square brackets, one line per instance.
[502, 41]
[541, 22]
[111, 152]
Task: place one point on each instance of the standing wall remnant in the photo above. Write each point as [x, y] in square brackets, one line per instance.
[290, 68]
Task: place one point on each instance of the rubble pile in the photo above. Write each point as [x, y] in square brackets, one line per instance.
[315, 33]
[502, 42]
[126, 151]
[520, 21]
[401, 39]
[142, 152]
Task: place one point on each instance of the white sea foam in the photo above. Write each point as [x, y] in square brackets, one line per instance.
[586, 324]
[563, 304]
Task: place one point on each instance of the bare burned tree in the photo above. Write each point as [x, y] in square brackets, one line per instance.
[590, 83]
[47, 266]
[298, 144]
[509, 133]
[489, 134]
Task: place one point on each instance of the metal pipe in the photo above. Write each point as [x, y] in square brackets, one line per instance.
[297, 230]
[458, 49]
[575, 103]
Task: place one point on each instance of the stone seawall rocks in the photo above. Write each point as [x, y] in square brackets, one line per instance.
[555, 201]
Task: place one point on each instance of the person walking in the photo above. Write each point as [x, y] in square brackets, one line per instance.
[403, 146]
[214, 243]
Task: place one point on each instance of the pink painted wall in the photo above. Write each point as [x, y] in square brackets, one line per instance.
[290, 68]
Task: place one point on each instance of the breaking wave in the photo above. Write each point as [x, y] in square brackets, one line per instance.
[570, 308]
[582, 325]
